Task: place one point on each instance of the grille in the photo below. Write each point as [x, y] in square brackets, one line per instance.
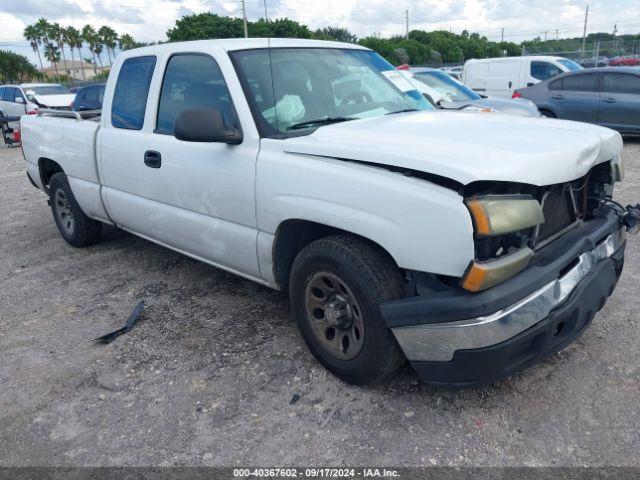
[558, 210]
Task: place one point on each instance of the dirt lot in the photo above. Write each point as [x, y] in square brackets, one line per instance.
[207, 375]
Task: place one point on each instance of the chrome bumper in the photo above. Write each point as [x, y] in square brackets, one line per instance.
[439, 341]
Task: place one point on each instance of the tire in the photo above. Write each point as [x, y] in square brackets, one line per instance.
[360, 276]
[547, 113]
[75, 227]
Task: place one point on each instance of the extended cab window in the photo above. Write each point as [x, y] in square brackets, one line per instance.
[192, 81]
[130, 95]
[581, 83]
[544, 70]
[621, 83]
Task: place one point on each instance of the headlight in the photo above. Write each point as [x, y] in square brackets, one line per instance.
[617, 167]
[499, 214]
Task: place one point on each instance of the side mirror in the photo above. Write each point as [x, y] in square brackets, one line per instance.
[205, 125]
[20, 100]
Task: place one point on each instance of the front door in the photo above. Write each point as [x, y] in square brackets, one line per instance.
[201, 195]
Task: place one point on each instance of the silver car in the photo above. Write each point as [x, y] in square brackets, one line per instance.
[605, 96]
[445, 92]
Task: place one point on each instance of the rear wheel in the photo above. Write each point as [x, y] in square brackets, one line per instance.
[547, 113]
[75, 227]
[336, 286]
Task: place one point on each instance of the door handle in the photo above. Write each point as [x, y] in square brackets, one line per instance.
[152, 159]
[609, 100]
[510, 83]
[530, 84]
[558, 97]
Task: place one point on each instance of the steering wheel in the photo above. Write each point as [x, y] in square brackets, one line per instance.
[359, 96]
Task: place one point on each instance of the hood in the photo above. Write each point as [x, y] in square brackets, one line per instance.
[55, 100]
[522, 107]
[468, 147]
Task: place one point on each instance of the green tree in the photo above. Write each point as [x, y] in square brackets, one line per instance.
[126, 42]
[73, 37]
[56, 34]
[205, 25]
[335, 33]
[52, 54]
[15, 68]
[32, 35]
[109, 38]
[90, 37]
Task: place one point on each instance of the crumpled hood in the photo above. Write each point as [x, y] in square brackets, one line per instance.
[55, 100]
[523, 107]
[468, 147]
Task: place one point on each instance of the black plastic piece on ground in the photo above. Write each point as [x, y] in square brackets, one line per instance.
[133, 318]
[483, 366]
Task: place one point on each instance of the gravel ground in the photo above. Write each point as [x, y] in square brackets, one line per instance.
[207, 375]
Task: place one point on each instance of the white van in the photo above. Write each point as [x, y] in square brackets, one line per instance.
[499, 77]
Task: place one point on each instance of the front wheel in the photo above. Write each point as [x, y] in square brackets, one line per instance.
[75, 227]
[336, 286]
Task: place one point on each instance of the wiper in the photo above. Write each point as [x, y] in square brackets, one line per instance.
[320, 122]
[403, 111]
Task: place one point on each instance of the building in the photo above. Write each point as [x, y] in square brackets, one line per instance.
[73, 69]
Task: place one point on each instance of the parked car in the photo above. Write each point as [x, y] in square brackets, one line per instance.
[446, 93]
[500, 77]
[626, 61]
[594, 62]
[26, 97]
[608, 96]
[471, 247]
[455, 72]
[89, 98]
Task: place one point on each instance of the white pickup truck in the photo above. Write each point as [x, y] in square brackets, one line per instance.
[471, 245]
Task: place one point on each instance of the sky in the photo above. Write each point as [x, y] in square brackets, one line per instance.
[148, 20]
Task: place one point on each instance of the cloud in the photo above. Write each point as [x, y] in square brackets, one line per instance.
[120, 14]
[40, 8]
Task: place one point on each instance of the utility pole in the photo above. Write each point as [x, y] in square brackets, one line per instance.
[615, 29]
[584, 31]
[545, 35]
[557, 34]
[244, 19]
[502, 36]
[406, 19]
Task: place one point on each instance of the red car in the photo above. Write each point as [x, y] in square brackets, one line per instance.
[626, 61]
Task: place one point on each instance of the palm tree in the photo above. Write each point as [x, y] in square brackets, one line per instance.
[32, 36]
[109, 38]
[89, 36]
[98, 50]
[43, 27]
[74, 39]
[56, 32]
[126, 42]
[52, 53]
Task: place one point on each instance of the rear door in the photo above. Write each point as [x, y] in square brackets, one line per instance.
[11, 107]
[502, 78]
[620, 102]
[578, 97]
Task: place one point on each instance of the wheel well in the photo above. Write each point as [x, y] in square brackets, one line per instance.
[292, 236]
[547, 110]
[47, 169]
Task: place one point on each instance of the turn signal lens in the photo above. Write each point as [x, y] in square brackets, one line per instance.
[483, 275]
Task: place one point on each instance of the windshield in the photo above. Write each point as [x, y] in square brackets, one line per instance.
[448, 87]
[45, 90]
[570, 64]
[305, 88]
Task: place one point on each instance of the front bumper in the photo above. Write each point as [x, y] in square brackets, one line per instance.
[462, 339]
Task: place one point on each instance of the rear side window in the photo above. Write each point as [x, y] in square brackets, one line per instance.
[544, 70]
[556, 85]
[621, 83]
[580, 83]
[130, 95]
[192, 81]
[9, 94]
[91, 94]
[2, 89]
